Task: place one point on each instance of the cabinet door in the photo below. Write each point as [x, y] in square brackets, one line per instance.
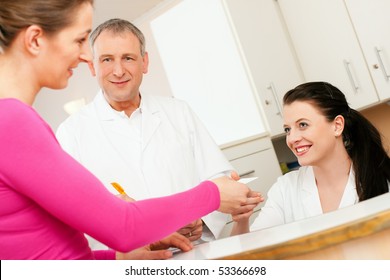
[372, 24]
[267, 51]
[328, 49]
[263, 165]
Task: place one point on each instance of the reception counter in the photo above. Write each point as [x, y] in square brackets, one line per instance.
[361, 231]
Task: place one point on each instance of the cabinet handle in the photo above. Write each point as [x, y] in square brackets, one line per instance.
[379, 56]
[354, 84]
[246, 173]
[271, 87]
[347, 65]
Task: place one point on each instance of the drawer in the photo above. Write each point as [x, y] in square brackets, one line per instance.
[247, 148]
[263, 165]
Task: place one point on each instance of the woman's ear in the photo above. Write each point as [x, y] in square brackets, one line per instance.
[33, 39]
[339, 123]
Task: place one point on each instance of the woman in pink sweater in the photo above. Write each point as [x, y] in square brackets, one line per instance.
[45, 206]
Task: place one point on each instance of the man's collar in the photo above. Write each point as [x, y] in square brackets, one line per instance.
[104, 109]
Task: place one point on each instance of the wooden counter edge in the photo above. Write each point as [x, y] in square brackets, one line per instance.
[319, 240]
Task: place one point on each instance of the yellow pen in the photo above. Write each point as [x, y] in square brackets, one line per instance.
[118, 188]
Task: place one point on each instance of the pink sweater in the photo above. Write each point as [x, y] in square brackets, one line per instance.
[48, 200]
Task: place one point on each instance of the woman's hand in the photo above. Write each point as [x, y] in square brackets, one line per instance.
[235, 196]
[254, 198]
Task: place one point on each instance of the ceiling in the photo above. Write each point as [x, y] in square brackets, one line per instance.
[126, 9]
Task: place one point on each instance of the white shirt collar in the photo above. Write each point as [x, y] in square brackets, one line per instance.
[106, 112]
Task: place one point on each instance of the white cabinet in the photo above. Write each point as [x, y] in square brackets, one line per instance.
[371, 21]
[255, 157]
[328, 48]
[267, 52]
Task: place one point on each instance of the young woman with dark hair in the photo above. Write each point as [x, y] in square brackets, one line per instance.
[340, 152]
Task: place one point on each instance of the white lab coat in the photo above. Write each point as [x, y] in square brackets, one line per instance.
[170, 152]
[295, 196]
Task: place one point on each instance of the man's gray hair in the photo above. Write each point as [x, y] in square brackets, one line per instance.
[118, 26]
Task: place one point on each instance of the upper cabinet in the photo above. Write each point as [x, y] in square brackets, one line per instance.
[285, 43]
[273, 45]
[328, 48]
[371, 21]
[267, 51]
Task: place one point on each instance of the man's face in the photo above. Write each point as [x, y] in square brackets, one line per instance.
[119, 65]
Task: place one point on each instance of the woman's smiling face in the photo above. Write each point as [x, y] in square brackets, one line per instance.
[66, 49]
[309, 135]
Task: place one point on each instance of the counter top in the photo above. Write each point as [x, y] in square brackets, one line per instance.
[355, 222]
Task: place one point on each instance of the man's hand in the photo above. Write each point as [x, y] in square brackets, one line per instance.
[192, 231]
